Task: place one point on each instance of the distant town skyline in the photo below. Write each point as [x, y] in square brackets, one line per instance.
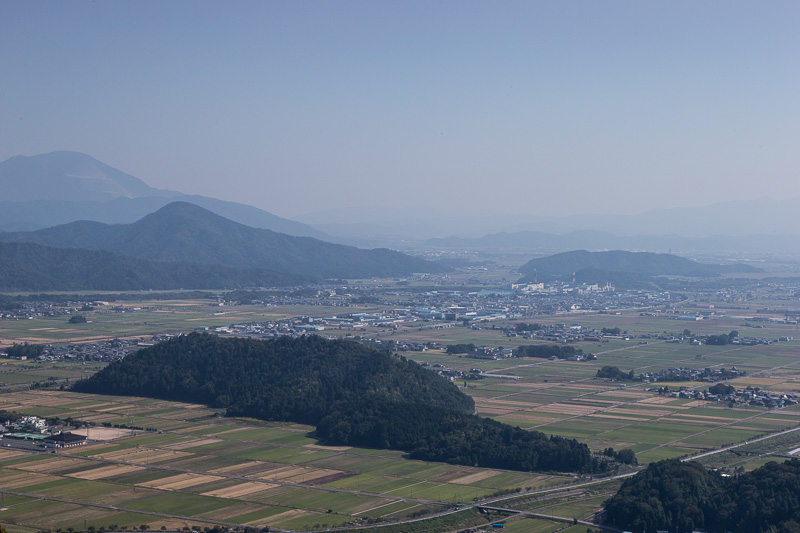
[515, 107]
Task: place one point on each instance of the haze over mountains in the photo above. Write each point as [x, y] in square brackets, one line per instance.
[181, 233]
[50, 189]
[59, 187]
[603, 240]
[758, 224]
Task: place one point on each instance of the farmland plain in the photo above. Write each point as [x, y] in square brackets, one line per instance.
[199, 468]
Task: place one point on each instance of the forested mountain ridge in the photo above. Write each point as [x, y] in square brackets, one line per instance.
[27, 266]
[355, 395]
[184, 232]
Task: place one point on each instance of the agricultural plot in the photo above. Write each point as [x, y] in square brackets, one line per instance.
[201, 469]
[565, 398]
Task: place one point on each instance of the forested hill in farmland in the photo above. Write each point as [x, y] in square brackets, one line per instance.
[684, 496]
[621, 267]
[353, 394]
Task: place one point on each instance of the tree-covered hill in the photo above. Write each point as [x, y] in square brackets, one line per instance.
[611, 265]
[31, 267]
[184, 232]
[354, 394]
[675, 496]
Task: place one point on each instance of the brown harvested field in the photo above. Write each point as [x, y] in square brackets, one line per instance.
[567, 409]
[24, 479]
[105, 471]
[8, 454]
[51, 465]
[246, 468]
[596, 401]
[192, 443]
[142, 455]
[243, 489]
[95, 446]
[640, 412]
[297, 474]
[695, 403]
[180, 481]
[41, 398]
[658, 400]
[472, 478]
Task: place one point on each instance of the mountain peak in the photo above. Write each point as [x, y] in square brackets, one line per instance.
[60, 187]
[188, 216]
[68, 176]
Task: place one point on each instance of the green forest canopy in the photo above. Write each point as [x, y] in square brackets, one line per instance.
[684, 496]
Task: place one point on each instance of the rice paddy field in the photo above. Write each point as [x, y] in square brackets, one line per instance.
[200, 469]
[565, 398]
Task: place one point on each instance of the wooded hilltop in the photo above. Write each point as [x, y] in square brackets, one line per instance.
[684, 496]
[353, 394]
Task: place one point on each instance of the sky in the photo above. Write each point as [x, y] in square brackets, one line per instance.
[533, 107]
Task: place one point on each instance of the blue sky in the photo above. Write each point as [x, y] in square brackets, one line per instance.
[517, 107]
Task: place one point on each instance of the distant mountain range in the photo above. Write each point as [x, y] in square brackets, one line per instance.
[758, 224]
[60, 187]
[602, 240]
[620, 267]
[184, 233]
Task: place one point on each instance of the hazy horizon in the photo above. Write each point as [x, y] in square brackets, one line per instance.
[518, 108]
